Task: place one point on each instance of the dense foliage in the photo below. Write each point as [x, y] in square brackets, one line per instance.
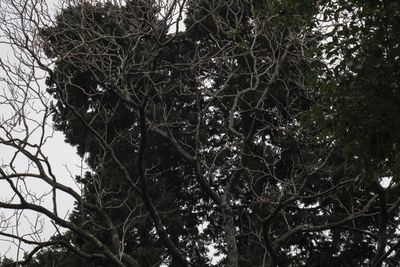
[260, 133]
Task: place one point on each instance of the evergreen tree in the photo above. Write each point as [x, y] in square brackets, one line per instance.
[255, 135]
[258, 145]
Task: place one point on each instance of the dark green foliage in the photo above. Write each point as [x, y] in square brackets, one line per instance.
[60, 258]
[298, 147]
[6, 262]
[362, 93]
[357, 112]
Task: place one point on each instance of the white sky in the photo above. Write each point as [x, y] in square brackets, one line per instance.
[64, 161]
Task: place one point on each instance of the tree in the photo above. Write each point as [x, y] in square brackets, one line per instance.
[358, 103]
[201, 140]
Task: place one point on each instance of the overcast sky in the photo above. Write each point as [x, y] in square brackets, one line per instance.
[65, 165]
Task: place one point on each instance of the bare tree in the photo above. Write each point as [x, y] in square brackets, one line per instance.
[218, 99]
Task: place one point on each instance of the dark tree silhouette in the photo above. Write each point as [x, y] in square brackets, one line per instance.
[217, 133]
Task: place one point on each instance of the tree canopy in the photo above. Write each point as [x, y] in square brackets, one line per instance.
[217, 133]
